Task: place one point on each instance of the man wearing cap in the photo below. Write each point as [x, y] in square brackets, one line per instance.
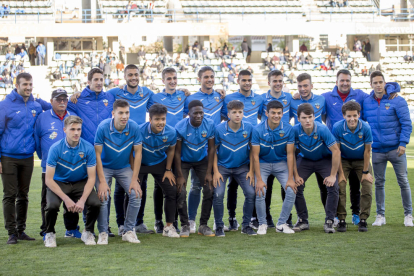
[49, 130]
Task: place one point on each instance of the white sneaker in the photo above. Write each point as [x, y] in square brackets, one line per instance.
[262, 229]
[88, 238]
[170, 231]
[50, 240]
[131, 237]
[225, 228]
[193, 226]
[336, 221]
[408, 221]
[121, 230]
[103, 238]
[284, 228]
[380, 220]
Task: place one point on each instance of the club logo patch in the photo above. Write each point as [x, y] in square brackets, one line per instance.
[34, 113]
[387, 106]
[253, 101]
[141, 93]
[204, 134]
[360, 135]
[164, 138]
[244, 134]
[81, 154]
[126, 133]
[317, 105]
[281, 133]
[179, 98]
[105, 102]
[217, 99]
[353, 100]
[315, 136]
[284, 101]
[53, 135]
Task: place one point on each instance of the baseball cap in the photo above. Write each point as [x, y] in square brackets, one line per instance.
[59, 92]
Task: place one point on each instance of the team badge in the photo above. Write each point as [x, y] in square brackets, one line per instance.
[179, 98]
[244, 134]
[164, 138]
[126, 133]
[284, 101]
[217, 99]
[281, 133]
[105, 102]
[353, 100]
[34, 112]
[315, 136]
[141, 93]
[360, 135]
[53, 135]
[387, 106]
[253, 101]
[204, 134]
[317, 105]
[81, 154]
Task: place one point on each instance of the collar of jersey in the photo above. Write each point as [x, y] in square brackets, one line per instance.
[282, 95]
[16, 96]
[168, 94]
[159, 133]
[69, 147]
[112, 128]
[307, 100]
[279, 127]
[315, 129]
[335, 92]
[139, 89]
[346, 128]
[53, 113]
[212, 93]
[250, 96]
[229, 129]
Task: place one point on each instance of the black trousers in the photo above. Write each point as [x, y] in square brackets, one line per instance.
[70, 219]
[169, 191]
[74, 190]
[16, 177]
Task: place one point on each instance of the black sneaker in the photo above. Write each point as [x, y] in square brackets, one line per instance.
[175, 224]
[233, 224]
[220, 232]
[289, 221]
[270, 224]
[249, 231]
[110, 234]
[341, 226]
[328, 227]
[159, 226]
[254, 223]
[24, 237]
[362, 226]
[12, 239]
[301, 225]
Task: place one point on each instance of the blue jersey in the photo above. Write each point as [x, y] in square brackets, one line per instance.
[48, 130]
[71, 163]
[352, 145]
[194, 139]
[273, 143]
[212, 105]
[318, 103]
[138, 102]
[174, 103]
[233, 147]
[285, 99]
[117, 146]
[252, 105]
[155, 145]
[316, 145]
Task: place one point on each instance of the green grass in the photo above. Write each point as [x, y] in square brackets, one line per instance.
[386, 250]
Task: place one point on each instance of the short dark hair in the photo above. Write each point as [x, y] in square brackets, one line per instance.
[168, 70]
[94, 71]
[376, 74]
[203, 70]
[304, 76]
[195, 103]
[25, 76]
[306, 108]
[275, 105]
[120, 103]
[343, 71]
[131, 66]
[235, 104]
[274, 73]
[351, 106]
[157, 109]
[244, 73]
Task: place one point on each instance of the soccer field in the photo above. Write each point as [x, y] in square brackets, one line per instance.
[386, 250]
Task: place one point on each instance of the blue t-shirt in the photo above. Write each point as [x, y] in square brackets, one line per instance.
[252, 105]
[155, 145]
[273, 142]
[316, 145]
[352, 144]
[318, 103]
[285, 99]
[116, 146]
[194, 139]
[212, 105]
[174, 103]
[71, 163]
[233, 147]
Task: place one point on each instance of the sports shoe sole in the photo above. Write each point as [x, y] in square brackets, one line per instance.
[329, 231]
[362, 230]
[212, 235]
[184, 236]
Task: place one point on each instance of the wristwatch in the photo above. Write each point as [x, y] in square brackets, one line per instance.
[365, 172]
[168, 170]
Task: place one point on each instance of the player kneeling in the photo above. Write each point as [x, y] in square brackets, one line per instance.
[70, 177]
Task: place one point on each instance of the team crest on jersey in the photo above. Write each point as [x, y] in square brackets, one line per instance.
[281, 133]
[204, 134]
[244, 134]
[315, 136]
[53, 135]
[34, 113]
[253, 101]
[360, 135]
[179, 98]
[387, 106]
[126, 133]
[141, 93]
[81, 154]
[164, 138]
[284, 101]
[353, 100]
[217, 99]
[317, 105]
[105, 102]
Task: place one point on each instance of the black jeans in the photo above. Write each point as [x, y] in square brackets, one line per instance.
[74, 190]
[70, 219]
[169, 191]
[200, 169]
[16, 177]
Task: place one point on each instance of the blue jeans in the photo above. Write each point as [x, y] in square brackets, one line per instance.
[194, 196]
[379, 163]
[123, 177]
[40, 59]
[244, 55]
[238, 174]
[280, 171]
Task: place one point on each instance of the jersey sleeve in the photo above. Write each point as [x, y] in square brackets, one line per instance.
[187, 101]
[71, 106]
[91, 158]
[99, 137]
[368, 136]
[224, 108]
[211, 131]
[52, 156]
[174, 139]
[44, 104]
[138, 137]
[217, 140]
[38, 137]
[335, 134]
[291, 138]
[255, 137]
[327, 137]
[150, 99]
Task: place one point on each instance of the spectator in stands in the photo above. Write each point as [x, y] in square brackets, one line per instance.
[250, 69]
[8, 81]
[292, 77]
[32, 54]
[303, 48]
[408, 58]
[232, 77]
[309, 58]
[245, 48]
[57, 75]
[20, 67]
[23, 47]
[6, 11]
[339, 53]
[2, 10]
[204, 53]
[364, 71]
[95, 61]
[9, 55]
[223, 65]
[340, 3]
[345, 3]
[368, 50]
[16, 49]
[226, 53]
[101, 64]
[345, 54]
[332, 3]
[41, 53]
[119, 68]
[269, 48]
[357, 45]
[249, 54]
[225, 83]
[141, 54]
[371, 69]
[77, 59]
[196, 45]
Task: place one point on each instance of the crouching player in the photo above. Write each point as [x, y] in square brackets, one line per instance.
[70, 177]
